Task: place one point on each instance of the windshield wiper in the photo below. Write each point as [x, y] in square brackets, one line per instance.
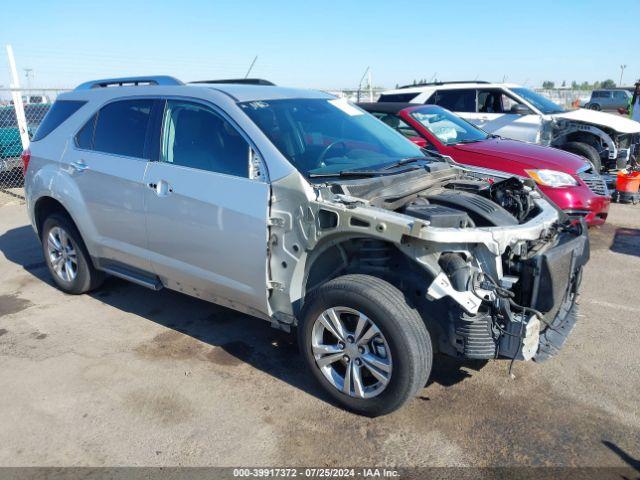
[346, 173]
[404, 161]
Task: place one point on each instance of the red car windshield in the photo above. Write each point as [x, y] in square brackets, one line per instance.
[447, 127]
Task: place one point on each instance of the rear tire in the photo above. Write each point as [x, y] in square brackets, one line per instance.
[586, 151]
[594, 106]
[66, 256]
[405, 367]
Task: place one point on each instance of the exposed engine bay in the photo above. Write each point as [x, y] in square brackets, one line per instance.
[493, 267]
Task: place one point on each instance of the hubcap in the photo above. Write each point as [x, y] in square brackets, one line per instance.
[351, 352]
[62, 254]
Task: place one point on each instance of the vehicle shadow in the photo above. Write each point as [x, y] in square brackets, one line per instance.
[235, 337]
[617, 239]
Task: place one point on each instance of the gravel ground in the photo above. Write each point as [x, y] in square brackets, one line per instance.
[127, 376]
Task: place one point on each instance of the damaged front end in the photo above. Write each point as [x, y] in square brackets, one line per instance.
[492, 266]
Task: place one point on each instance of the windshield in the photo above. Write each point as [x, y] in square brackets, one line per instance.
[449, 128]
[541, 103]
[326, 136]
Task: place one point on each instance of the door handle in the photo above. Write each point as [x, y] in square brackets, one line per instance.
[162, 188]
[79, 166]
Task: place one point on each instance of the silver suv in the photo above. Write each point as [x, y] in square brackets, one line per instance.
[303, 210]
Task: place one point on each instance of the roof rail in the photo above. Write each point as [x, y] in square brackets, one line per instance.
[428, 84]
[241, 81]
[130, 81]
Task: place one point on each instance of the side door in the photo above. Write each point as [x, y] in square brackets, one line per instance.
[206, 219]
[620, 99]
[108, 161]
[501, 114]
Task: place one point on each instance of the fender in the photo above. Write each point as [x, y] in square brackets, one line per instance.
[54, 181]
[588, 129]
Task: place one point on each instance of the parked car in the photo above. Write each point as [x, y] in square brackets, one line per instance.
[10, 143]
[305, 211]
[567, 179]
[511, 111]
[609, 99]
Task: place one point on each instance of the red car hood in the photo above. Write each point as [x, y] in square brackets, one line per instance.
[520, 155]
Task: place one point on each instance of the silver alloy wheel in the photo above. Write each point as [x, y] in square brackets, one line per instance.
[62, 254]
[351, 352]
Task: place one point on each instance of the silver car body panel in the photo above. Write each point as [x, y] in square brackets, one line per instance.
[244, 243]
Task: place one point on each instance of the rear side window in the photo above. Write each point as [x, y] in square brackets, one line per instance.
[397, 97]
[58, 113]
[121, 128]
[457, 100]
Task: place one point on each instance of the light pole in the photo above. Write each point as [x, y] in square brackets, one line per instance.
[622, 67]
[28, 72]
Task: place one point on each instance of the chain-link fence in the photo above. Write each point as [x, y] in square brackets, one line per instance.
[35, 104]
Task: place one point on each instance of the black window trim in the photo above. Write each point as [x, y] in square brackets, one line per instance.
[158, 132]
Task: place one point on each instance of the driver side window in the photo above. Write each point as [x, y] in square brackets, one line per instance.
[495, 101]
[195, 136]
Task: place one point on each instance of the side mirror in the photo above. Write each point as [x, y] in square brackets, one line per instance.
[520, 109]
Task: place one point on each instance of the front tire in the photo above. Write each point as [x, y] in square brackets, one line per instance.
[67, 257]
[364, 344]
[586, 151]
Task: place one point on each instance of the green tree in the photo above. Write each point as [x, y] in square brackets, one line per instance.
[548, 84]
[608, 83]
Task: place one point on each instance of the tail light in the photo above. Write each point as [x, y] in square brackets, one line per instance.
[26, 156]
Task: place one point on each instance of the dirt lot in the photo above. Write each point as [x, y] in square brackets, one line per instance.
[127, 376]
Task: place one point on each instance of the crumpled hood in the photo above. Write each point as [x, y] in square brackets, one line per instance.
[601, 119]
[520, 156]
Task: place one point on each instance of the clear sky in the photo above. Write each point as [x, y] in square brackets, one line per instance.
[323, 44]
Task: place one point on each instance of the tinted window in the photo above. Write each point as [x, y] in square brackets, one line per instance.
[84, 138]
[58, 113]
[457, 100]
[121, 128]
[398, 97]
[620, 95]
[195, 136]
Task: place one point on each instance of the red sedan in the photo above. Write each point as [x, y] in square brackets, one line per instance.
[567, 179]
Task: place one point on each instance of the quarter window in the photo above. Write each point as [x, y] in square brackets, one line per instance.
[58, 113]
[121, 128]
[195, 136]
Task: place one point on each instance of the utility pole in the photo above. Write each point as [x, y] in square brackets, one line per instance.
[360, 83]
[251, 66]
[370, 87]
[622, 67]
[28, 73]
